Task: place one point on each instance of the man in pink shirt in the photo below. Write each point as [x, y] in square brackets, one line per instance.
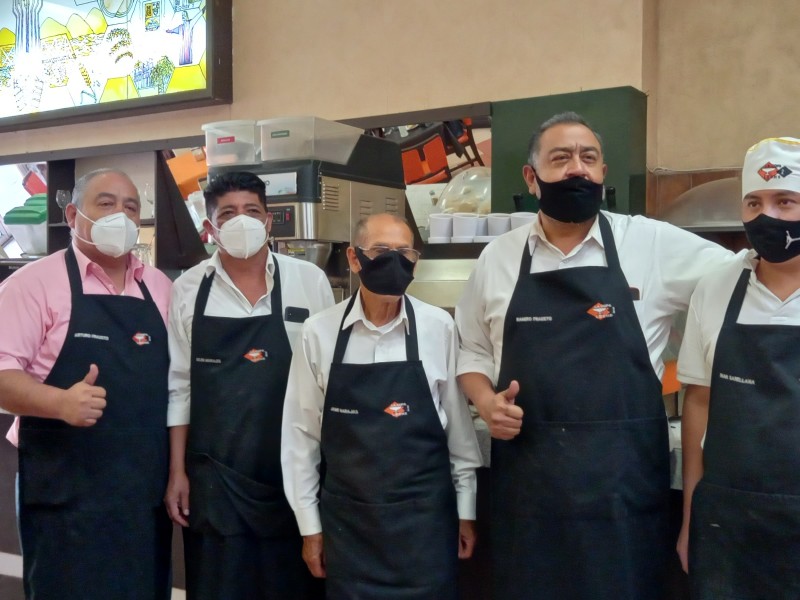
[83, 362]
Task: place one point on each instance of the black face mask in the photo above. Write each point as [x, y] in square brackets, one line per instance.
[775, 240]
[572, 200]
[387, 274]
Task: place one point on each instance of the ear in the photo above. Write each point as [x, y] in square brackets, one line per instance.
[352, 260]
[208, 227]
[70, 214]
[605, 170]
[269, 223]
[529, 175]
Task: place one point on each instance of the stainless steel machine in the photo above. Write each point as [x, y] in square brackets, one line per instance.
[315, 204]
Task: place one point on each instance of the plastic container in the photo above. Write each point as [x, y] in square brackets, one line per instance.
[294, 138]
[37, 200]
[230, 143]
[28, 226]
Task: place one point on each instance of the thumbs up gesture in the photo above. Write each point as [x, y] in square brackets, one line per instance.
[82, 404]
[505, 417]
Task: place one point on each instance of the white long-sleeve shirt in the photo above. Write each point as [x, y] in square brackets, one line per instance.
[303, 285]
[660, 261]
[707, 313]
[368, 344]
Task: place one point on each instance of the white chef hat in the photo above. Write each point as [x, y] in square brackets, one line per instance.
[772, 164]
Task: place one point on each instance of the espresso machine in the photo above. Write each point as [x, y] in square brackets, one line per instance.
[321, 178]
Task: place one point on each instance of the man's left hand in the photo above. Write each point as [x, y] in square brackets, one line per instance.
[466, 538]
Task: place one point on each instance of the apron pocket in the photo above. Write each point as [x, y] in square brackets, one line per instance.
[744, 544]
[391, 544]
[597, 469]
[228, 503]
[92, 469]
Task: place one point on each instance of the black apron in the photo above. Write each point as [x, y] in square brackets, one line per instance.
[388, 504]
[580, 496]
[744, 540]
[92, 523]
[240, 523]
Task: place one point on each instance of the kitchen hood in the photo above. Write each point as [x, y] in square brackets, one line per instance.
[712, 206]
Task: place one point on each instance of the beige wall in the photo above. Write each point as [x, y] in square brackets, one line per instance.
[720, 75]
[349, 58]
[728, 76]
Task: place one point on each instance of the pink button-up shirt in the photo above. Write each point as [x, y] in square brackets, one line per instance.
[36, 303]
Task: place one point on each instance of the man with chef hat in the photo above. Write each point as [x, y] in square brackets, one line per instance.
[83, 361]
[233, 322]
[562, 326]
[740, 358]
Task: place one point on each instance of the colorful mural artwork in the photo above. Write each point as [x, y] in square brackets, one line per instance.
[57, 54]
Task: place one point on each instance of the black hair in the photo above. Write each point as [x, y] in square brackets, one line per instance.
[234, 181]
[569, 117]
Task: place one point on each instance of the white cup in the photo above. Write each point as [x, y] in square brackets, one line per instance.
[441, 225]
[465, 225]
[498, 223]
[439, 240]
[483, 226]
[518, 219]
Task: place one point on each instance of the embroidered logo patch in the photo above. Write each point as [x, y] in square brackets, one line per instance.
[256, 355]
[397, 409]
[141, 339]
[771, 171]
[601, 311]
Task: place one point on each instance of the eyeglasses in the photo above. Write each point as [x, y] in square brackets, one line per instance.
[375, 251]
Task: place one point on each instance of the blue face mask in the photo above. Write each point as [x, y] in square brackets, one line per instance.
[572, 200]
[775, 240]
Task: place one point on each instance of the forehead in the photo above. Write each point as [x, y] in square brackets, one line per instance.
[111, 183]
[238, 198]
[568, 135]
[766, 195]
[385, 229]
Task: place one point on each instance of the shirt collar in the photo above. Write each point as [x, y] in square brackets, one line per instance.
[538, 236]
[357, 314]
[215, 264]
[87, 266]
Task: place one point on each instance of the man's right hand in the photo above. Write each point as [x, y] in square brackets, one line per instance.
[314, 555]
[503, 417]
[176, 498]
[82, 404]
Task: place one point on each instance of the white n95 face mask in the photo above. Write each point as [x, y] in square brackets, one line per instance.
[113, 235]
[242, 236]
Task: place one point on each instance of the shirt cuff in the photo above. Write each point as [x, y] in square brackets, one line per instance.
[9, 363]
[470, 363]
[692, 380]
[308, 520]
[466, 505]
[178, 413]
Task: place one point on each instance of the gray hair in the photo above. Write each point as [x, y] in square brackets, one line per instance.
[360, 230]
[568, 117]
[83, 183]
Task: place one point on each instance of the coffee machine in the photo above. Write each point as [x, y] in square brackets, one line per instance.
[319, 185]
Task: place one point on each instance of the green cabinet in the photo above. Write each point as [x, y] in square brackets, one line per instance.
[619, 115]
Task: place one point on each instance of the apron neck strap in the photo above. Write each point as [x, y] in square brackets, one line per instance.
[76, 283]
[612, 258]
[205, 290]
[412, 345]
[737, 298]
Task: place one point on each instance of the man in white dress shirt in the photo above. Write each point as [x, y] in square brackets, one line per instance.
[233, 322]
[562, 326]
[379, 451]
[741, 360]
